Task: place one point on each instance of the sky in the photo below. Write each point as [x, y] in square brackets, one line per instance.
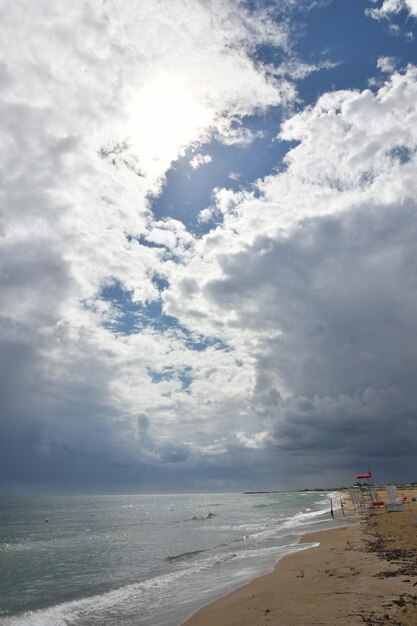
[208, 261]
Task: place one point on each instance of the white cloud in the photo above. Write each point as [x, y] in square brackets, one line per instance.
[200, 159]
[304, 278]
[389, 7]
[296, 69]
[86, 106]
[353, 149]
[387, 64]
[98, 99]
[287, 307]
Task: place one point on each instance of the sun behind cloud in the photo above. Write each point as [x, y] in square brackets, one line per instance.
[166, 115]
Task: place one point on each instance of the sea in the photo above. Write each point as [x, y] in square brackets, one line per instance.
[143, 560]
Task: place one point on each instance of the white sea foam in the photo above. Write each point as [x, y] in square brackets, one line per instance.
[97, 609]
[136, 596]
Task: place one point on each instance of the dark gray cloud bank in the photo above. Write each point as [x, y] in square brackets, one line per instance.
[278, 349]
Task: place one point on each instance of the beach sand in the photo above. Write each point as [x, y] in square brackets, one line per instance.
[361, 574]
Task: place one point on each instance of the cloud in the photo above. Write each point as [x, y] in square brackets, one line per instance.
[387, 64]
[131, 344]
[390, 7]
[200, 159]
[311, 280]
[354, 149]
[297, 69]
[95, 106]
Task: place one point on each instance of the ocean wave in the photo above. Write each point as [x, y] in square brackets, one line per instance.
[304, 518]
[238, 543]
[25, 546]
[199, 518]
[134, 598]
[183, 556]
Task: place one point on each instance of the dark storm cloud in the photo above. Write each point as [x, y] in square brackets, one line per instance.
[340, 294]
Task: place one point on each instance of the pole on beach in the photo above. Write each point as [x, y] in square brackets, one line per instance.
[341, 504]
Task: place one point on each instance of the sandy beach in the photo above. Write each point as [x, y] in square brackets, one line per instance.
[364, 573]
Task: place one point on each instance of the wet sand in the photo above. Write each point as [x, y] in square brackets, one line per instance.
[361, 574]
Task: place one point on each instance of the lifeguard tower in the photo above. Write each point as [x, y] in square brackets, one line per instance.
[363, 494]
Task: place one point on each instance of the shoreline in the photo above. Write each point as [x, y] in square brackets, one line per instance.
[363, 573]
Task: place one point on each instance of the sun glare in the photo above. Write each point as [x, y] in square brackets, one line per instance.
[166, 116]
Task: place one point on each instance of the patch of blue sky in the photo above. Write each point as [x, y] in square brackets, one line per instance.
[186, 379]
[124, 314]
[201, 343]
[341, 33]
[403, 154]
[188, 191]
[158, 376]
[183, 375]
[131, 317]
[128, 316]
[160, 282]
[149, 244]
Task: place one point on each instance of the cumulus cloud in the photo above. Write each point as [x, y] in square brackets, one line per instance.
[386, 8]
[311, 278]
[387, 64]
[200, 159]
[130, 343]
[98, 100]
